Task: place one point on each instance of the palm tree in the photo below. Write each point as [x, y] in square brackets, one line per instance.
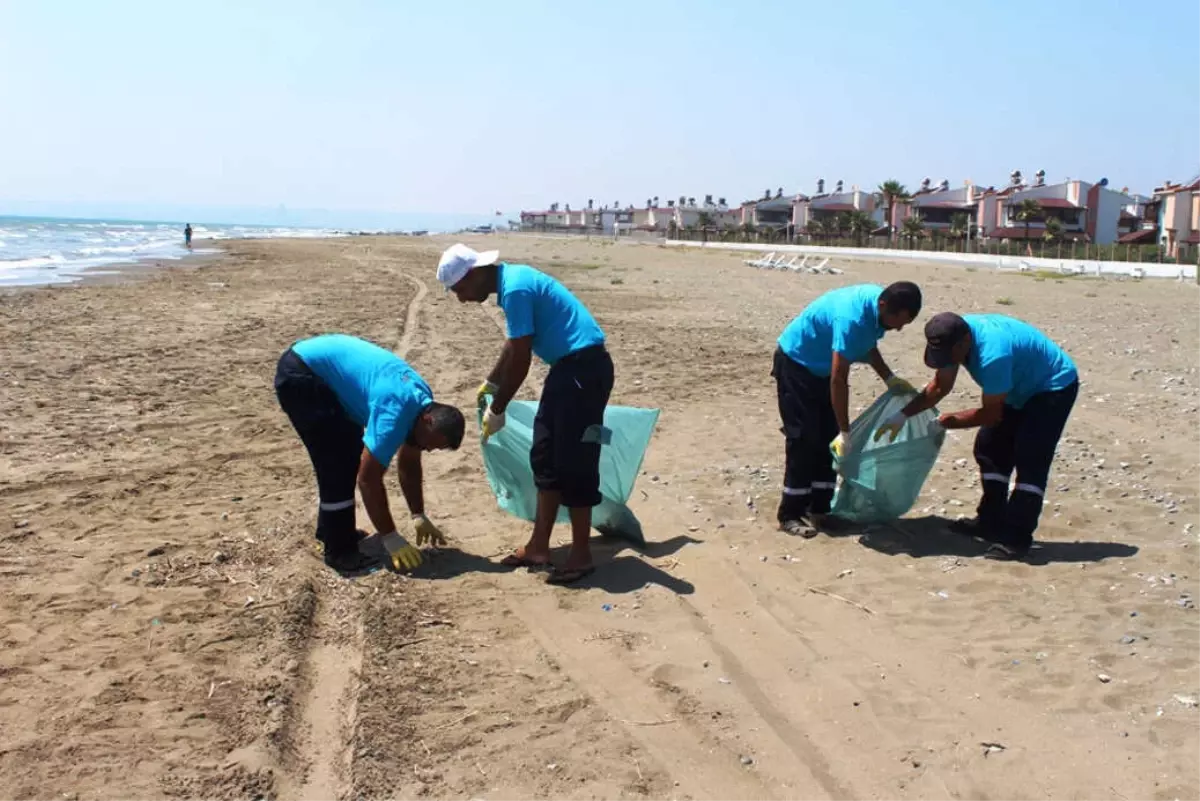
[748, 230]
[1053, 229]
[672, 230]
[841, 221]
[1027, 211]
[705, 221]
[913, 227]
[892, 192]
[829, 226]
[859, 224]
[958, 224]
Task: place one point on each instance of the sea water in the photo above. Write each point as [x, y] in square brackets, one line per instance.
[49, 250]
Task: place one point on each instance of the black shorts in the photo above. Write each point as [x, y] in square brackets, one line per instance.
[565, 456]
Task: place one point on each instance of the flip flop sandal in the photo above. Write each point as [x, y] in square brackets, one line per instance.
[515, 561]
[1002, 553]
[569, 575]
[798, 528]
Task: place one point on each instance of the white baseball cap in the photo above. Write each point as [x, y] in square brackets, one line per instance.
[458, 260]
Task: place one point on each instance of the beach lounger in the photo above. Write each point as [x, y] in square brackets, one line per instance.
[762, 261]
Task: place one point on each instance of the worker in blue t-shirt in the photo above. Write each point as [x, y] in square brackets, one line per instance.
[546, 320]
[1029, 386]
[355, 406]
[812, 373]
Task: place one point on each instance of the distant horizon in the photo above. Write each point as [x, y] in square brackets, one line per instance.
[259, 216]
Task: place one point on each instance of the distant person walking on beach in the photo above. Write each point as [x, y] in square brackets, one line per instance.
[187, 236]
[545, 319]
[1029, 387]
[355, 405]
[812, 374]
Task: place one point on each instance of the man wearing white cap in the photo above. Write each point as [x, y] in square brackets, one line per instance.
[545, 319]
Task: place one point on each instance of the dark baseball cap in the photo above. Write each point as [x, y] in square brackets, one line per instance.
[942, 333]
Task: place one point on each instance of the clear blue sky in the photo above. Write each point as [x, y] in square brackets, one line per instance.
[476, 106]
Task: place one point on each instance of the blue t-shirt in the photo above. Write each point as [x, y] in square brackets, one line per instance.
[376, 387]
[535, 304]
[1011, 357]
[845, 320]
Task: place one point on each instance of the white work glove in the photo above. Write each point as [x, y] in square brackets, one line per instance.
[404, 556]
[485, 389]
[891, 427]
[427, 533]
[841, 445]
[492, 423]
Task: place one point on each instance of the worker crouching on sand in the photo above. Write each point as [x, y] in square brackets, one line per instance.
[1029, 387]
[812, 372]
[355, 405]
[545, 319]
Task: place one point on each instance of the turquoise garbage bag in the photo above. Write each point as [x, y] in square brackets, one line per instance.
[624, 439]
[880, 481]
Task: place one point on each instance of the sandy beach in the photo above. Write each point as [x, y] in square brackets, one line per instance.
[169, 631]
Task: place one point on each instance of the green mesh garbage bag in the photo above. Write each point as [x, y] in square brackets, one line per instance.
[880, 481]
[623, 439]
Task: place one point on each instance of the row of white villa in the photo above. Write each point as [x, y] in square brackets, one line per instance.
[1085, 211]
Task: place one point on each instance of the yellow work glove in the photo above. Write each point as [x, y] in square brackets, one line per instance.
[841, 445]
[485, 389]
[404, 556]
[427, 533]
[898, 384]
[891, 427]
[492, 423]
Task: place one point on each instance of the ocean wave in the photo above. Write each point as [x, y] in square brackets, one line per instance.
[52, 251]
[51, 260]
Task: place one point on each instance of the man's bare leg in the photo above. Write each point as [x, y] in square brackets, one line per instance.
[580, 556]
[537, 550]
[538, 547]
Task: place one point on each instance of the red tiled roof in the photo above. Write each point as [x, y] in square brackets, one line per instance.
[945, 204]
[1034, 233]
[1193, 238]
[1138, 237]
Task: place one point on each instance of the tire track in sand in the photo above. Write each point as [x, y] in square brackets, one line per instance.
[331, 671]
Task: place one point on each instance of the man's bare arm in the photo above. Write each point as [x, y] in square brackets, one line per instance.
[989, 413]
[934, 391]
[370, 485]
[875, 359]
[501, 367]
[515, 359]
[839, 391]
[408, 464]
